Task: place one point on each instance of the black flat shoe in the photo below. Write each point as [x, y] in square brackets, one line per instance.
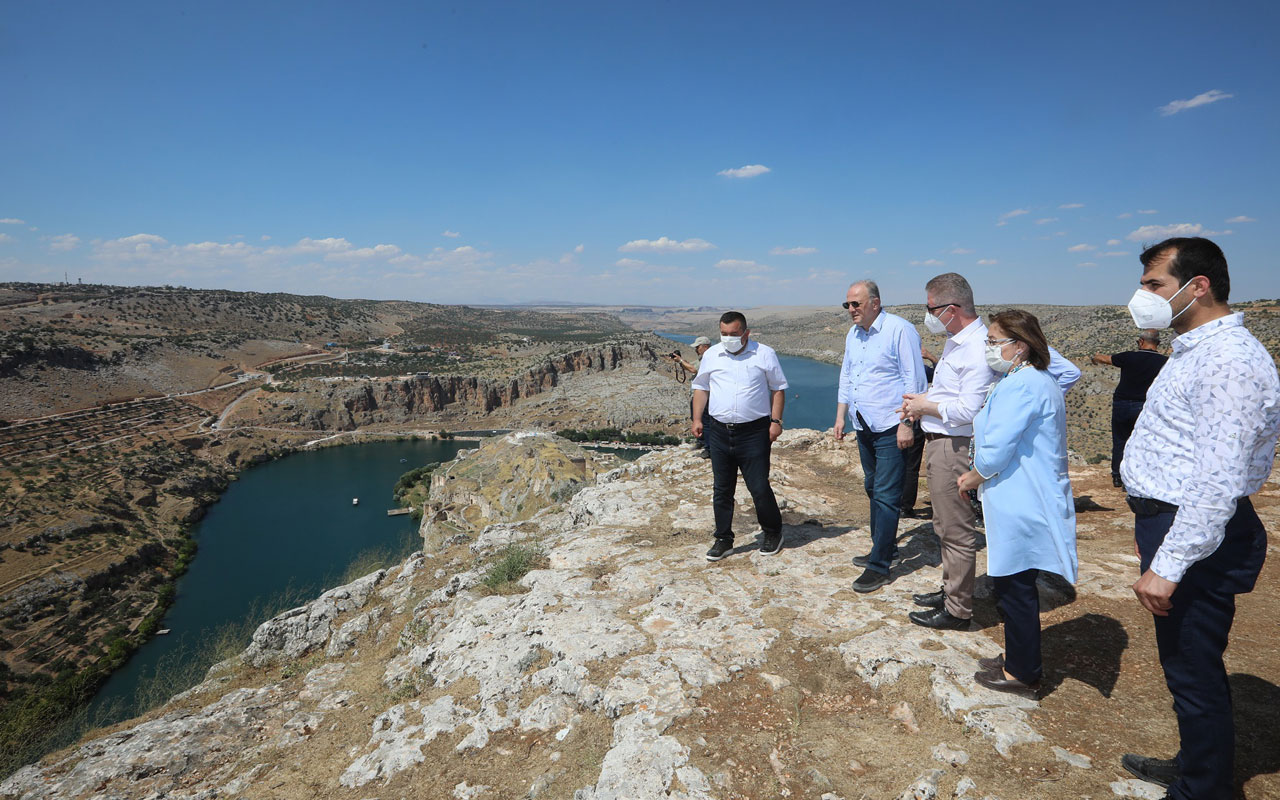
[940, 619]
[930, 600]
[995, 679]
[992, 663]
[1160, 771]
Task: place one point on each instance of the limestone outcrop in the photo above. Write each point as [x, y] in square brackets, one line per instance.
[629, 667]
[508, 479]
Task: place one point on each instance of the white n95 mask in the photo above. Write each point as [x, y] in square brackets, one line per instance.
[732, 343]
[934, 324]
[1150, 310]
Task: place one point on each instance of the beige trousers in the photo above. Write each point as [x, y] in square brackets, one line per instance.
[953, 520]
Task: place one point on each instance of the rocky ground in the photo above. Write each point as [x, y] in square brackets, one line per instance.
[629, 667]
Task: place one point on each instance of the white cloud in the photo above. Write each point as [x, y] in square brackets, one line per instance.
[364, 253]
[11, 221]
[1242, 218]
[987, 262]
[578, 250]
[931, 262]
[1113, 242]
[738, 265]
[792, 251]
[450, 234]
[1087, 264]
[1115, 253]
[1150, 233]
[871, 251]
[1008, 215]
[1046, 220]
[628, 262]
[1071, 205]
[1148, 211]
[4, 237]
[664, 245]
[265, 238]
[64, 242]
[960, 251]
[1125, 215]
[1203, 99]
[1080, 248]
[306, 244]
[1227, 232]
[749, 171]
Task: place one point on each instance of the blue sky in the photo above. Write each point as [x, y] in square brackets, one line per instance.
[595, 152]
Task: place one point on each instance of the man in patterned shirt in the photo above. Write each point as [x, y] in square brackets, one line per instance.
[1204, 443]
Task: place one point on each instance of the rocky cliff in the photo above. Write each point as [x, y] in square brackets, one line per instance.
[629, 667]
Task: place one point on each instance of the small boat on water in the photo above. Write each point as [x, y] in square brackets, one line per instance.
[403, 460]
[355, 501]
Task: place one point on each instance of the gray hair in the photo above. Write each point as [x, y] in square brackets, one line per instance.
[873, 291]
[953, 288]
[1150, 336]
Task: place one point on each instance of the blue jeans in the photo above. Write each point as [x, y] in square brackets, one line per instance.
[744, 447]
[1191, 641]
[883, 468]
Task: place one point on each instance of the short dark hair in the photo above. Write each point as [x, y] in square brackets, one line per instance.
[1022, 326]
[730, 317]
[1189, 257]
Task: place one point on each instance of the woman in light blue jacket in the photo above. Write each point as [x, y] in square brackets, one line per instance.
[1020, 463]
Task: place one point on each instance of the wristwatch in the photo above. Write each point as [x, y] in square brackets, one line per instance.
[775, 421]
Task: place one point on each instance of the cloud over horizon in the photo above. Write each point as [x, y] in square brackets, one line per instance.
[748, 171]
[665, 245]
[792, 251]
[1202, 99]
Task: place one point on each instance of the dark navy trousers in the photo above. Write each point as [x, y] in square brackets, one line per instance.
[1191, 641]
[747, 448]
[1124, 415]
[1018, 601]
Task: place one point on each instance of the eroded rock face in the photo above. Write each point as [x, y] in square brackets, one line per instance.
[509, 478]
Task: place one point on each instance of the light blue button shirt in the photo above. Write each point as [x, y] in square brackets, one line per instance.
[881, 363]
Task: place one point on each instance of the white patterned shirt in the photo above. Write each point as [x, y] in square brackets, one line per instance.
[1206, 437]
[741, 384]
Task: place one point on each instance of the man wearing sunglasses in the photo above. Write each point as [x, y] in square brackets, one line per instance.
[881, 363]
[1138, 368]
[946, 413]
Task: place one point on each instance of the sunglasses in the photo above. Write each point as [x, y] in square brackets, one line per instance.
[931, 309]
[851, 304]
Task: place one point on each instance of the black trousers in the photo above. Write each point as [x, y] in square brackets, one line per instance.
[1019, 606]
[747, 448]
[1191, 641]
[1124, 415]
[911, 459]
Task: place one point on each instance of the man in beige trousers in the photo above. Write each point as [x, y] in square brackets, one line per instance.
[946, 412]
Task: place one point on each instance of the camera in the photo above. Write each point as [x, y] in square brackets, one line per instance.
[674, 354]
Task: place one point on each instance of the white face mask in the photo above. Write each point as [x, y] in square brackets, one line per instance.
[935, 325]
[996, 360]
[1150, 310]
[732, 343]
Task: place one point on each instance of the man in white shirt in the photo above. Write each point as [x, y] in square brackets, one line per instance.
[946, 412]
[738, 395]
[881, 363]
[1203, 444]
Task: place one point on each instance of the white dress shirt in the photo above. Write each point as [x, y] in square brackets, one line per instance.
[740, 383]
[1206, 437]
[960, 382]
[881, 364]
[1063, 371]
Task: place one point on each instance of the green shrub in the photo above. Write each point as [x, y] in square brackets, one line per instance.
[512, 564]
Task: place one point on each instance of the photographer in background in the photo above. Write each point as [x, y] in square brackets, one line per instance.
[700, 346]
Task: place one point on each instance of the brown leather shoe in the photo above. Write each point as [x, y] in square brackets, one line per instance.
[995, 679]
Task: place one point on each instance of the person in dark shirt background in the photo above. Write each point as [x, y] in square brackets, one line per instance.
[1138, 368]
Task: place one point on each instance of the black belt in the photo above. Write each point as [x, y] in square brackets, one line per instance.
[763, 422]
[929, 437]
[1147, 507]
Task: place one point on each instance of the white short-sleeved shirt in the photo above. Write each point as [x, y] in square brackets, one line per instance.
[740, 383]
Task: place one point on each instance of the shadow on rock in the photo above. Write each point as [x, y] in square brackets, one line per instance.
[811, 531]
[1085, 503]
[1086, 648]
[1257, 738]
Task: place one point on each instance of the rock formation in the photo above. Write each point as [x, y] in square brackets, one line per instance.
[629, 667]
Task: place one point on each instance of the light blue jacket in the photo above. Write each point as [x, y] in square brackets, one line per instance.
[1020, 445]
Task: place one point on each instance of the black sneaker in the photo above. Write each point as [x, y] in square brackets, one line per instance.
[869, 581]
[1159, 771]
[862, 561]
[770, 543]
[719, 549]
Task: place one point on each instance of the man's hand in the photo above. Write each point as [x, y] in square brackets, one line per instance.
[775, 430]
[914, 406]
[696, 427]
[839, 430]
[1155, 593]
[906, 435]
[969, 481]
